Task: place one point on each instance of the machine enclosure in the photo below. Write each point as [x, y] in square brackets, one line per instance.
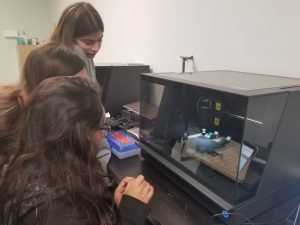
[229, 139]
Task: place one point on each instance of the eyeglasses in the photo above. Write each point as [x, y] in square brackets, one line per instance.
[105, 129]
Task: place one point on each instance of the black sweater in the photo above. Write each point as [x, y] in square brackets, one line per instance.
[132, 212]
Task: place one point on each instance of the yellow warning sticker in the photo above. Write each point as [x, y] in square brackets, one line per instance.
[217, 121]
[218, 106]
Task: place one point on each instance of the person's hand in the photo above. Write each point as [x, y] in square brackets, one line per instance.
[140, 189]
[120, 189]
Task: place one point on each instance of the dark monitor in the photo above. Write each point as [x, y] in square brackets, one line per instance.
[121, 85]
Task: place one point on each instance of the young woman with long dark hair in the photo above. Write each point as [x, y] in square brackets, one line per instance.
[47, 60]
[81, 28]
[54, 176]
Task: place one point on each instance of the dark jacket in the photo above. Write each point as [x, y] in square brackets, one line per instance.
[132, 212]
[34, 209]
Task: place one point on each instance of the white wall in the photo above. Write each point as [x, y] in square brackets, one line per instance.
[30, 15]
[261, 36]
[57, 7]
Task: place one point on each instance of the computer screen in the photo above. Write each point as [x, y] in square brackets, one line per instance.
[121, 85]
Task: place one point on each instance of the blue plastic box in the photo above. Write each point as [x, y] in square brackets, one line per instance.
[122, 145]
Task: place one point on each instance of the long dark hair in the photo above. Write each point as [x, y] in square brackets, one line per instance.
[77, 20]
[47, 60]
[54, 146]
[10, 108]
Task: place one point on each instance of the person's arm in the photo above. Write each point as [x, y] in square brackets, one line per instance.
[133, 211]
[132, 196]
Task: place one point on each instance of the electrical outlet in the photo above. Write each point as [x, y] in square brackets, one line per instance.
[10, 33]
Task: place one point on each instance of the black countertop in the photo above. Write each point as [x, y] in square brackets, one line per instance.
[170, 205]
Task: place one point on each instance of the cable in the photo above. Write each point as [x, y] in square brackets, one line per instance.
[276, 220]
[249, 222]
[288, 217]
[229, 213]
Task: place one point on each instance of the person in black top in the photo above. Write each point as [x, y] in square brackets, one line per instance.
[54, 176]
[44, 61]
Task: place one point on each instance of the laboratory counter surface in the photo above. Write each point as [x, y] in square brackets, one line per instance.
[170, 205]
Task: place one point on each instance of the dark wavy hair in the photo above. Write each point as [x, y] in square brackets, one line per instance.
[77, 20]
[45, 61]
[54, 143]
[49, 60]
[10, 108]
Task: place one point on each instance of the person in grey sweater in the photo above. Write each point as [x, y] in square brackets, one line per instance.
[81, 28]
